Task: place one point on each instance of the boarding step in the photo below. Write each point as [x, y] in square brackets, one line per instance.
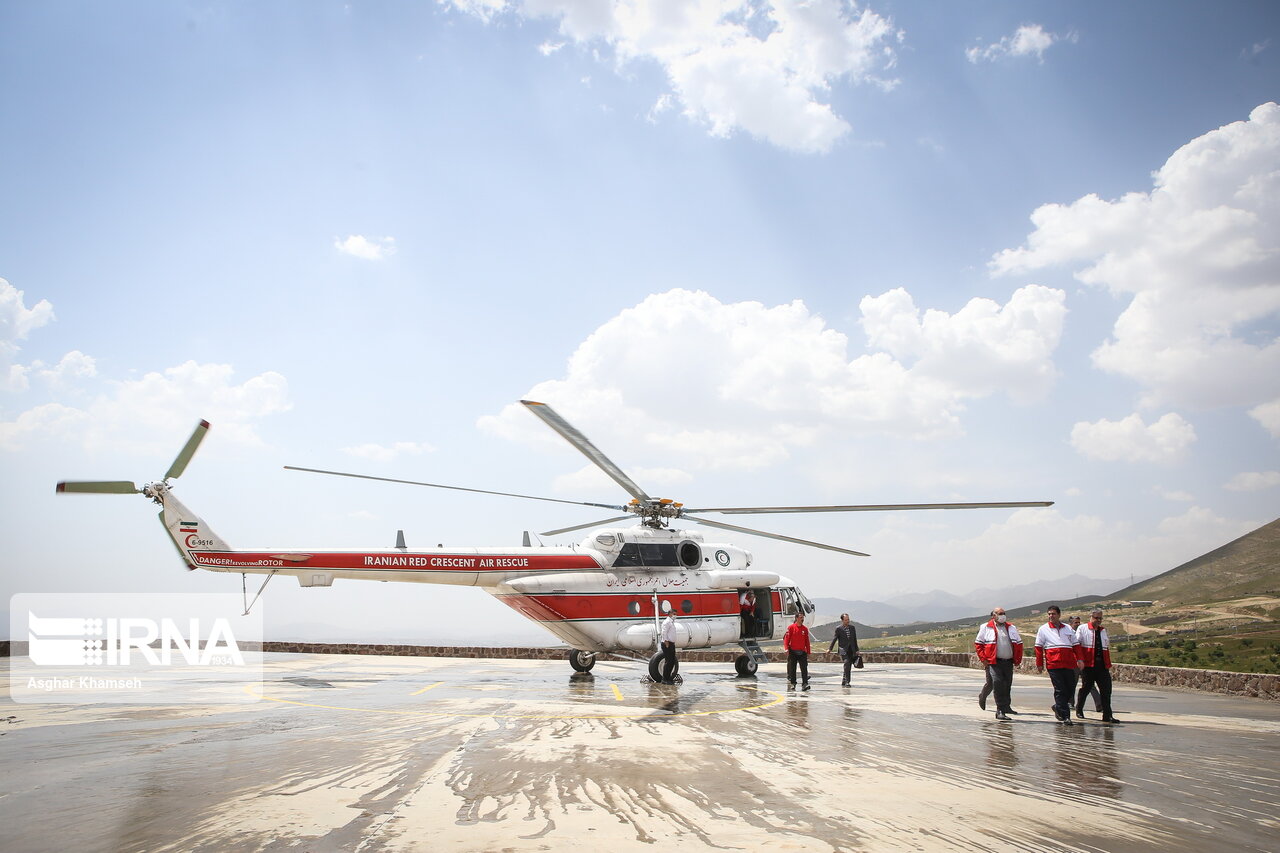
[752, 648]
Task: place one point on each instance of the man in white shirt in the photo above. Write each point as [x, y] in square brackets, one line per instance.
[668, 641]
[999, 647]
[747, 608]
[1058, 651]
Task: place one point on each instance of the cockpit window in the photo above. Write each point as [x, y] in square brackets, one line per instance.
[646, 554]
[805, 602]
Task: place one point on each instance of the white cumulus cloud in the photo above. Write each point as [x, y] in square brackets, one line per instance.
[1253, 481]
[771, 379]
[1199, 257]
[983, 347]
[1268, 414]
[1131, 440]
[762, 66]
[1027, 40]
[145, 412]
[74, 365]
[1252, 51]
[368, 248]
[47, 421]
[17, 321]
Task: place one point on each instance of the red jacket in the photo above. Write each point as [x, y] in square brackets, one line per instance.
[796, 639]
[1085, 633]
[1057, 648]
[985, 643]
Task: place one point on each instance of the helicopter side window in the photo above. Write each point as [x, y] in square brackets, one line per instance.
[634, 608]
[646, 554]
[789, 602]
[686, 606]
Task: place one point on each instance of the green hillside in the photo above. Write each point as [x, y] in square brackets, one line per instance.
[1218, 611]
[1248, 566]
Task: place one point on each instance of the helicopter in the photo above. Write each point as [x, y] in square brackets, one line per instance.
[603, 595]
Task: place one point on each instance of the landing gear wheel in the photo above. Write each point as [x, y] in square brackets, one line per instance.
[655, 669]
[745, 666]
[581, 661]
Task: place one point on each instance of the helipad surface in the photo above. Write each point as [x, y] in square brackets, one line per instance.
[392, 753]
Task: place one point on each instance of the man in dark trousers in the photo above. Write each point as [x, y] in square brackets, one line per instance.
[747, 607]
[796, 642]
[1058, 650]
[668, 638]
[846, 637]
[1095, 648]
[999, 647]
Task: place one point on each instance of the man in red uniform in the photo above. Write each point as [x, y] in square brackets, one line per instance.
[796, 642]
[999, 647]
[747, 607]
[1058, 650]
[1095, 647]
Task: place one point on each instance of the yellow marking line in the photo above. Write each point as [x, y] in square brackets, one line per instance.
[425, 689]
[642, 713]
[616, 692]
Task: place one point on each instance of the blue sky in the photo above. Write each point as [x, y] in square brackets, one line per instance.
[762, 253]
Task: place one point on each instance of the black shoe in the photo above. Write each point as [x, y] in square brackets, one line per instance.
[1010, 711]
[1000, 715]
[844, 684]
[1111, 720]
[806, 687]
[791, 685]
[1079, 714]
[982, 702]
[1066, 721]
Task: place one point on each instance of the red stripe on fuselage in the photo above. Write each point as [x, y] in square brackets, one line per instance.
[560, 607]
[384, 562]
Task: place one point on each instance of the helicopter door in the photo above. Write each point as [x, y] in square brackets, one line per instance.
[761, 620]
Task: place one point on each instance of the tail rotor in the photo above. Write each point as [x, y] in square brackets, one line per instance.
[151, 490]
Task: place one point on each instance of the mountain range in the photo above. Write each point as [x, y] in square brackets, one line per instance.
[939, 606]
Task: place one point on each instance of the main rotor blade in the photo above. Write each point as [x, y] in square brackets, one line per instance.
[99, 487]
[743, 510]
[188, 450]
[754, 532]
[570, 434]
[584, 526]
[454, 488]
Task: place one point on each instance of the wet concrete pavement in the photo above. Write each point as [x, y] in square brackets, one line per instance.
[381, 753]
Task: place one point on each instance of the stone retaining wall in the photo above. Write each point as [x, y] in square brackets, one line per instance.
[1205, 680]
[1254, 684]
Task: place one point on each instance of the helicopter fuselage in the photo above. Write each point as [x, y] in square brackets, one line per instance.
[603, 594]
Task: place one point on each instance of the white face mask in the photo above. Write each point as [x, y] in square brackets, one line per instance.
[1001, 618]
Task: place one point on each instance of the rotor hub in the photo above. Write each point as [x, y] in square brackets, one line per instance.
[156, 491]
[656, 512]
